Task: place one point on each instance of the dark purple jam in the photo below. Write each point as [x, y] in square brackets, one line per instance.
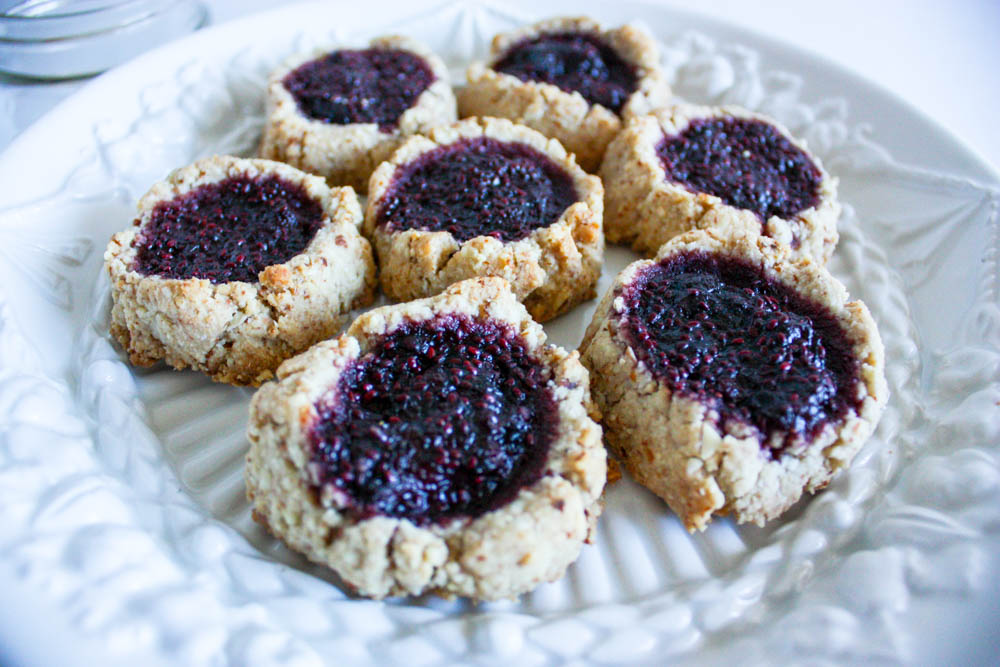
[573, 62]
[369, 86]
[478, 187]
[746, 163]
[444, 418]
[720, 331]
[230, 230]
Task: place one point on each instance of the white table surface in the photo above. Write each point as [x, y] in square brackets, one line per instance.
[940, 57]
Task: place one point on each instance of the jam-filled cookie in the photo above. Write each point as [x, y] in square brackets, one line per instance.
[437, 446]
[339, 114]
[689, 167]
[731, 376]
[487, 197]
[570, 79]
[234, 265]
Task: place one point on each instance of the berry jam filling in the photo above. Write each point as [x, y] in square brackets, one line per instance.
[720, 331]
[444, 418]
[573, 62]
[478, 187]
[746, 163]
[230, 230]
[369, 86]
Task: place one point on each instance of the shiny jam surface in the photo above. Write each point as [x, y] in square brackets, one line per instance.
[573, 62]
[720, 331]
[478, 187]
[230, 230]
[746, 163]
[441, 419]
[366, 86]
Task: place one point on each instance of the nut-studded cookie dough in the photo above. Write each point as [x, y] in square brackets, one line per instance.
[487, 197]
[570, 79]
[731, 376]
[690, 167]
[340, 113]
[437, 446]
[234, 265]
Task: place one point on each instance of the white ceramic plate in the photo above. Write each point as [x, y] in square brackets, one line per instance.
[123, 519]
